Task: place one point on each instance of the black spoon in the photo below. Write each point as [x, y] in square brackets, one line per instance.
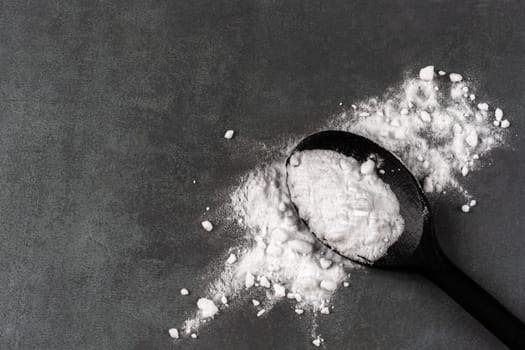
[417, 249]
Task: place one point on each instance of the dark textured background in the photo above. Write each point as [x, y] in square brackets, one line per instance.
[109, 110]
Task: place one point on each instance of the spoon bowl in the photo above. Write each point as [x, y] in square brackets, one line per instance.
[413, 204]
[417, 249]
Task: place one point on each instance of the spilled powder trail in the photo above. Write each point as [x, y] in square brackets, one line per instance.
[283, 257]
[436, 126]
[434, 123]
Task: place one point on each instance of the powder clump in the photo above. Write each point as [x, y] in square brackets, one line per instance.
[345, 203]
[207, 308]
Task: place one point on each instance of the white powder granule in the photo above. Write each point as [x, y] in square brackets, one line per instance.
[207, 308]
[455, 77]
[231, 259]
[261, 312]
[285, 254]
[427, 73]
[345, 203]
[498, 114]
[174, 333]
[279, 290]
[264, 282]
[229, 134]
[208, 226]
[318, 341]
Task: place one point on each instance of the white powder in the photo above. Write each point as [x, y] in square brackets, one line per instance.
[282, 257]
[207, 308]
[345, 203]
[208, 226]
[284, 254]
[229, 134]
[432, 125]
[174, 333]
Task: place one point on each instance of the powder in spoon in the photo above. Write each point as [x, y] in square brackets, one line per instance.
[345, 203]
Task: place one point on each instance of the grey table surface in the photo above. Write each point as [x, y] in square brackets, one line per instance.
[109, 110]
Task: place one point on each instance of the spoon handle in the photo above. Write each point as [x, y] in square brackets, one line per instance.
[480, 304]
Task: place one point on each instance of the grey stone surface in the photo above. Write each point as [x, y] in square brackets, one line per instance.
[109, 110]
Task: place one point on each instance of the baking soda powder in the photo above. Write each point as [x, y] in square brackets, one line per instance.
[434, 123]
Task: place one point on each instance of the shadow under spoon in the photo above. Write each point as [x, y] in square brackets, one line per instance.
[417, 249]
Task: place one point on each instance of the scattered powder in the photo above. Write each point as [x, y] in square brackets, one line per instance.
[431, 123]
[345, 203]
[436, 132]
